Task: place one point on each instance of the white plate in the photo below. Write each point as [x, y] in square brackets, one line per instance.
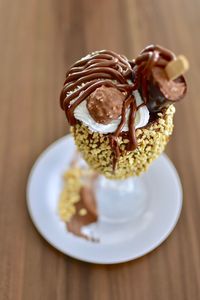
[148, 232]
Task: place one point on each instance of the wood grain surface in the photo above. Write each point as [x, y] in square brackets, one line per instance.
[39, 40]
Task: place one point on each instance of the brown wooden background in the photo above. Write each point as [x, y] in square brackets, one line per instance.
[39, 39]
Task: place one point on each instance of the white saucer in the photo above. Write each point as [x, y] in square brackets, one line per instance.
[148, 231]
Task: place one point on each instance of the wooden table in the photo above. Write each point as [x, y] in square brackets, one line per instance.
[39, 40]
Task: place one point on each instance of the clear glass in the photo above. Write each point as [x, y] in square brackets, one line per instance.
[120, 200]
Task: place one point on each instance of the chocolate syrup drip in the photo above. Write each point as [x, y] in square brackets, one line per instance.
[129, 102]
[113, 70]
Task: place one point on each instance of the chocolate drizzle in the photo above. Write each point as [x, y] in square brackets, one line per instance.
[129, 102]
[107, 68]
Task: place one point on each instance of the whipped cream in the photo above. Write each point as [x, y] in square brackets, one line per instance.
[82, 114]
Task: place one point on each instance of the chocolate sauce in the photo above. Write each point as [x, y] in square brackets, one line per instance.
[129, 102]
[132, 135]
